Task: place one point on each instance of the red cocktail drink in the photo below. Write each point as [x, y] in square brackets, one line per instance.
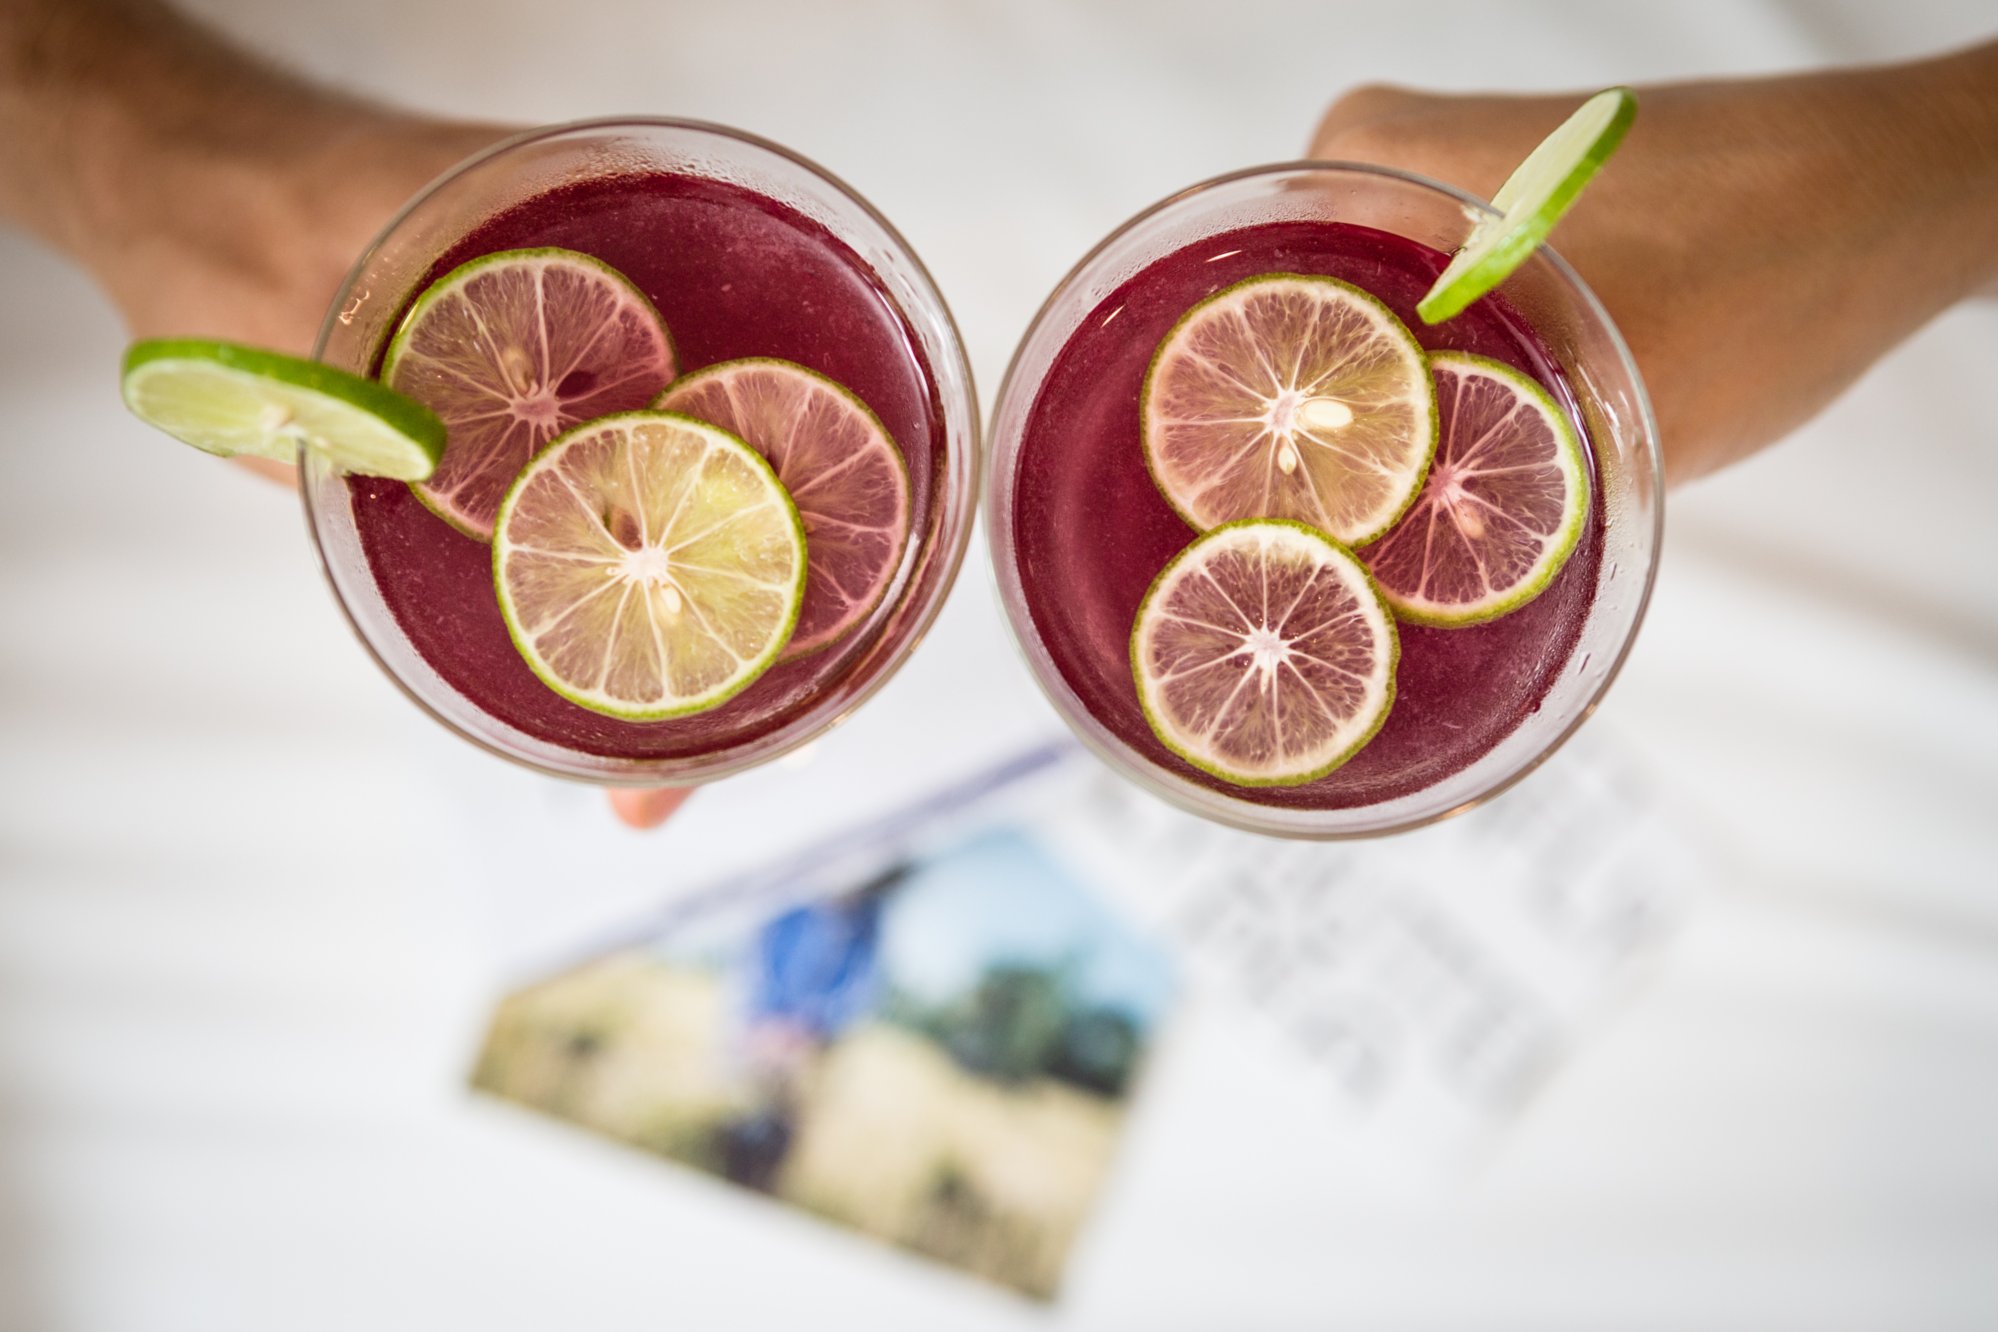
[1080, 528]
[744, 251]
[1091, 529]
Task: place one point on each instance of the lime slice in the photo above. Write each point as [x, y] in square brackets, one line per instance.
[511, 350]
[648, 565]
[840, 467]
[1288, 396]
[1503, 506]
[1531, 201]
[1263, 654]
[230, 400]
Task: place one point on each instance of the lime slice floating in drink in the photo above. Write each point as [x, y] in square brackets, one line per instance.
[648, 565]
[1289, 396]
[840, 467]
[233, 400]
[1531, 201]
[1502, 509]
[511, 350]
[1263, 654]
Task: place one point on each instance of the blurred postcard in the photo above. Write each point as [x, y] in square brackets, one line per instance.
[928, 1027]
[1431, 982]
[927, 1031]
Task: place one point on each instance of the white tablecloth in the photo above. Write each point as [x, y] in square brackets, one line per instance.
[241, 967]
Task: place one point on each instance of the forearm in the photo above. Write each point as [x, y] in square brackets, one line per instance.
[1849, 208]
[1760, 242]
[1891, 219]
[1967, 109]
[1912, 158]
[209, 193]
[118, 117]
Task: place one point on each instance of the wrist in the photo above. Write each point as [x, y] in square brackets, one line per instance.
[1894, 170]
[1946, 134]
[1966, 112]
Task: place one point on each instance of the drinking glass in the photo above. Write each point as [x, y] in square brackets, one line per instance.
[386, 278]
[1583, 343]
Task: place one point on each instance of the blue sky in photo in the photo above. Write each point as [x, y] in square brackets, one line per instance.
[1000, 898]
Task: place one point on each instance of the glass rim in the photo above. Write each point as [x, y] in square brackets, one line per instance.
[1183, 793]
[951, 550]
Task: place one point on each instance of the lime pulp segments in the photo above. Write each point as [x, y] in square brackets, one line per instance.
[1289, 395]
[648, 565]
[1264, 655]
[513, 348]
[1504, 505]
[840, 466]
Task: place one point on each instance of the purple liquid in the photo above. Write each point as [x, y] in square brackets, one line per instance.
[734, 274]
[1092, 531]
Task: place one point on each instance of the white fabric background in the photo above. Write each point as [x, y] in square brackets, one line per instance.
[244, 939]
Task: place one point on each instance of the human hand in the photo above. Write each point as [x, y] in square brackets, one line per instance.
[249, 241]
[209, 194]
[262, 268]
[254, 250]
[1759, 242]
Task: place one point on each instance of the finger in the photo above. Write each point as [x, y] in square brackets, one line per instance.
[1357, 109]
[648, 808]
[269, 469]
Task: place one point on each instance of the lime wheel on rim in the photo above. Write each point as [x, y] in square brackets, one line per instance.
[236, 401]
[1531, 201]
